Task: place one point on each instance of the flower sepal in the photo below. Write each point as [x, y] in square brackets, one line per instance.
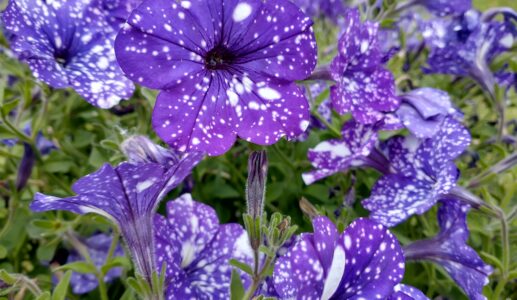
[146, 291]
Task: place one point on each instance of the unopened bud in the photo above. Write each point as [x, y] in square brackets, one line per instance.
[256, 185]
[139, 149]
[25, 168]
[308, 208]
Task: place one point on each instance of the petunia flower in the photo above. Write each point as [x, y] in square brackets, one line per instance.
[43, 145]
[356, 148]
[423, 172]
[68, 44]
[117, 11]
[365, 261]
[446, 7]
[140, 149]
[364, 86]
[196, 250]
[331, 9]
[406, 292]
[450, 250]
[127, 195]
[466, 45]
[424, 109]
[225, 69]
[98, 246]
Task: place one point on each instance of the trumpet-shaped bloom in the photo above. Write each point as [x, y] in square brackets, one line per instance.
[423, 172]
[364, 86]
[423, 110]
[68, 44]
[226, 68]
[196, 250]
[128, 195]
[364, 261]
[356, 148]
[450, 250]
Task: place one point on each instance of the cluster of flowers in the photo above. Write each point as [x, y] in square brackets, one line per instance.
[227, 69]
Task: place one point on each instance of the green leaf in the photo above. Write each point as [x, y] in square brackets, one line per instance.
[44, 296]
[79, 267]
[7, 278]
[242, 266]
[9, 106]
[236, 288]
[62, 287]
[119, 261]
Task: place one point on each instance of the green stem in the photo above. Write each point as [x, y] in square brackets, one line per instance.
[103, 291]
[258, 278]
[13, 205]
[505, 239]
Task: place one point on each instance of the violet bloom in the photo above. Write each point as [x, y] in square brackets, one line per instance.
[68, 44]
[450, 250]
[117, 11]
[423, 110]
[364, 87]
[364, 262]
[225, 68]
[446, 7]
[98, 246]
[43, 145]
[355, 149]
[127, 195]
[332, 9]
[140, 149]
[406, 292]
[466, 45]
[196, 250]
[423, 172]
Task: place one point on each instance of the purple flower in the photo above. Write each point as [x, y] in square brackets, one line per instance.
[406, 292]
[140, 149]
[196, 250]
[357, 148]
[364, 261]
[98, 246]
[423, 110]
[332, 9]
[466, 45]
[67, 44]
[446, 7]
[390, 39]
[423, 172]
[364, 87]
[127, 195]
[225, 68]
[43, 145]
[118, 11]
[450, 250]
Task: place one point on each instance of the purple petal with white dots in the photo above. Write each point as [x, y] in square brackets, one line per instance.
[406, 292]
[423, 110]
[227, 67]
[450, 250]
[447, 7]
[364, 87]
[196, 250]
[66, 44]
[374, 261]
[128, 195]
[98, 246]
[333, 156]
[313, 267]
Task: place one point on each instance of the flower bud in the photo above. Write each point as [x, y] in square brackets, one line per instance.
[25, 168]
[256, 185]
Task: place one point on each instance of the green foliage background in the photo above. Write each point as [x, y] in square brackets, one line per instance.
[88, 137]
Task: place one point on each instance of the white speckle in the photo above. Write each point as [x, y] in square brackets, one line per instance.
[336, 271]
[241, 12]
[269, 93]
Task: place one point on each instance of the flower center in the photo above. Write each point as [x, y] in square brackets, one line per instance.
[218, 58]
[62, 58]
